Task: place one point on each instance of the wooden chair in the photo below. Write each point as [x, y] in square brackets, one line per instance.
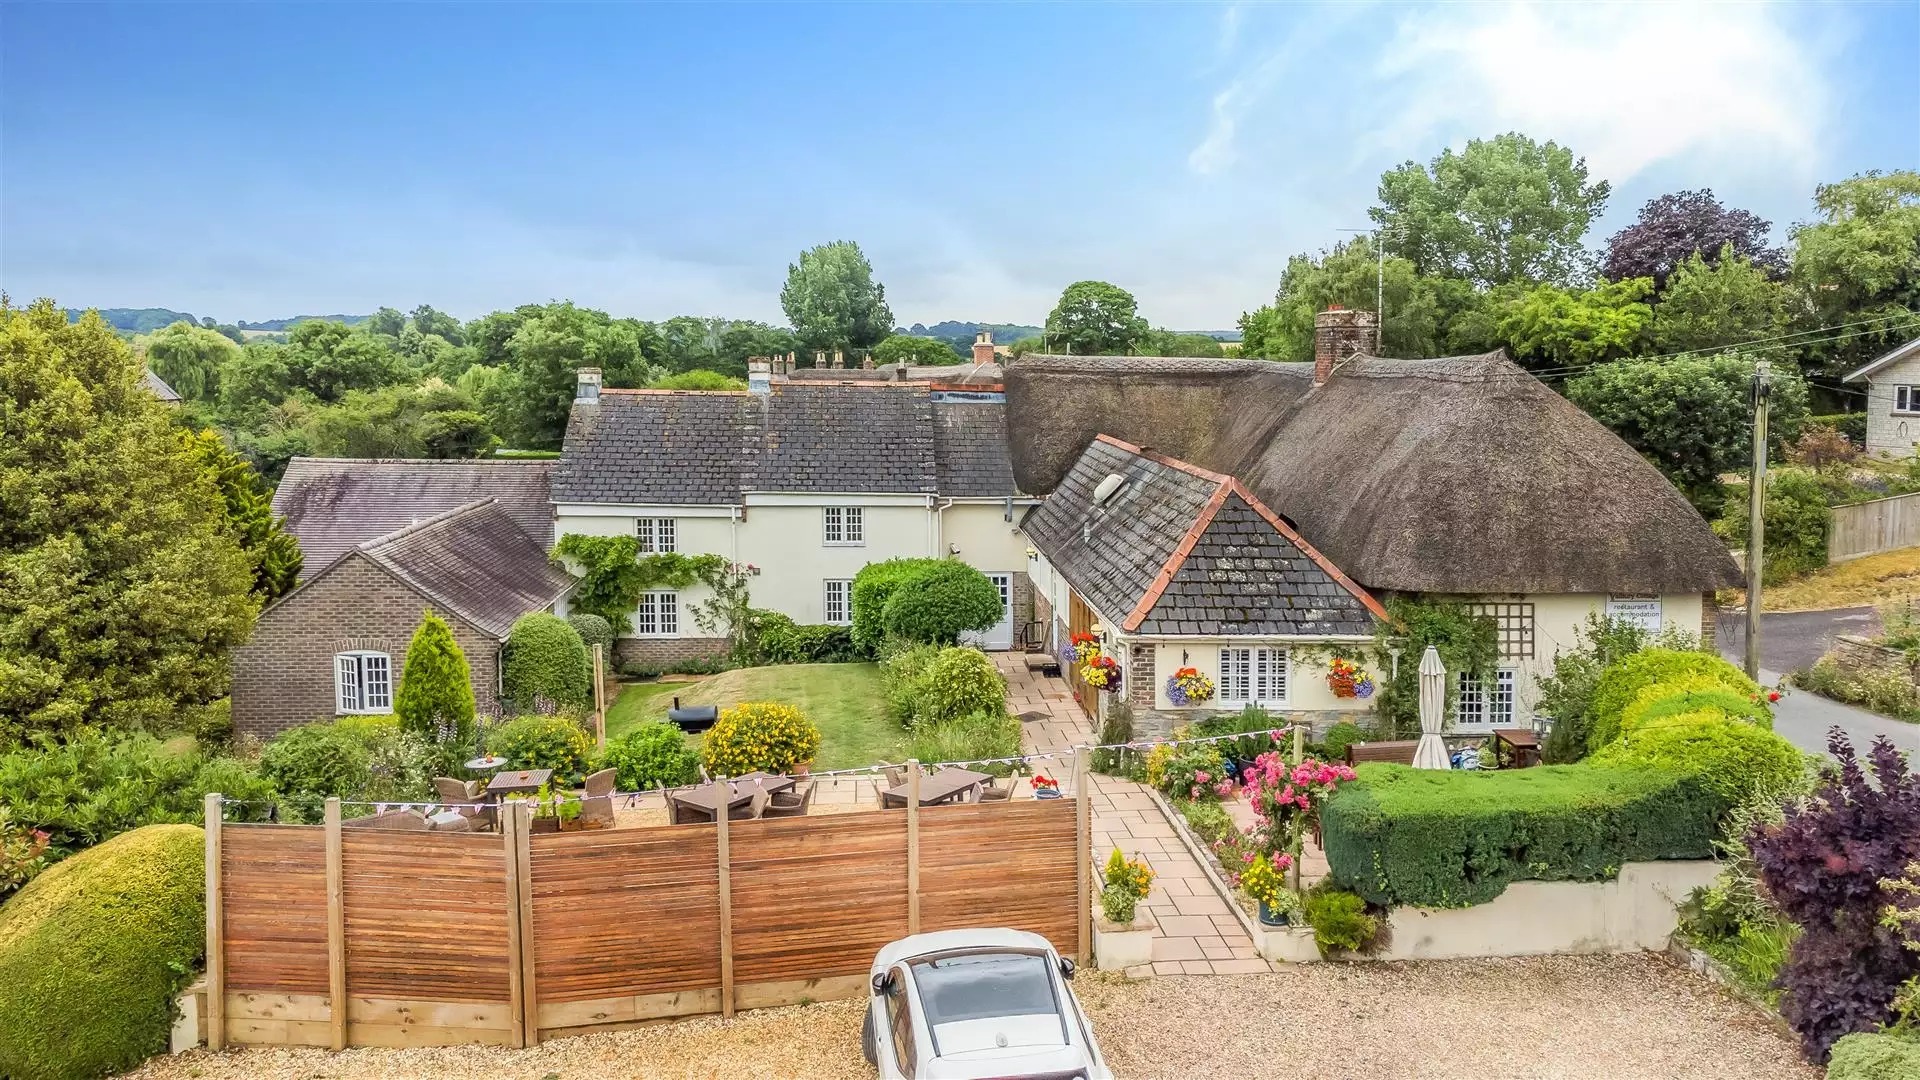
[596, 800]
[464, 796]
[895, 775]
[753, 809]
[398, 820]
[997, 790]
[793, 802]
[1396, 752]
[880, 797]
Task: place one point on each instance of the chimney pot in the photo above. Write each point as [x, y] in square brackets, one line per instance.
[819, 358]
[839, 359]
[586, 386]
[1338, 334]
[983, 347]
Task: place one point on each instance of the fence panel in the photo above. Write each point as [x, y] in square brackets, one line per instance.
[626, 925]
[273, 890]
[1001, 864]
[814, 898]
[1869, 528]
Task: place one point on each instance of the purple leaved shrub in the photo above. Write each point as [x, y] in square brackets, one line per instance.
[1823, 867]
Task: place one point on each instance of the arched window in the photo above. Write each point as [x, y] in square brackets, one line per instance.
[362, 682]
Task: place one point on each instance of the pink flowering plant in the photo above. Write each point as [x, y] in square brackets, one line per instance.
[1196, 772]
[1287, 799]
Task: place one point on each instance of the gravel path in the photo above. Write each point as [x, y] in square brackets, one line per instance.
[1621, 1017]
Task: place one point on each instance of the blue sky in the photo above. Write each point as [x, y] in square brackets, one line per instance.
[255, 161]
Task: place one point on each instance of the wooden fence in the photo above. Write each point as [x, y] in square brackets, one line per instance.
[1868, 528]
[319, 936]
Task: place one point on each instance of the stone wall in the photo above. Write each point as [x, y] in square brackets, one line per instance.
[1026, 603]
[284, 674]
[1858, 654]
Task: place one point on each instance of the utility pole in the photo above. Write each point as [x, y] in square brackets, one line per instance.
[1379, 293]
[1756, 517]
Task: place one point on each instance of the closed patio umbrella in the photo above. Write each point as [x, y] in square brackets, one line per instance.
[1432, 751]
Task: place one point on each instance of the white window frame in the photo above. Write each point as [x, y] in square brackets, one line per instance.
[1906, 398]
[657, 614]
[836, 592]
[1473, 708]
[1255, 675]
[843, 526]
[656, 535]
[362, 683]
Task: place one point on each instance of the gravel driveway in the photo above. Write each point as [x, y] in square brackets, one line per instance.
[1622, 1017]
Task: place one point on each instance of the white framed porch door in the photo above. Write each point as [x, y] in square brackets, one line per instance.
[998, 637]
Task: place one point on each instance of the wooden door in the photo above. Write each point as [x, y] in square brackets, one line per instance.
[1080, 621]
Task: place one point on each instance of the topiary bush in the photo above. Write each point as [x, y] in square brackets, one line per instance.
[652, 755]
[759, 736]
[1339, 737]
[94, 951]
[1455, 838]
[593, 630]
[1692, 693]
[940, 601]
[961, 681]
[436, 686]
[93, 786]
[812, 643]
[1873, 1056]
[872, 587]
[1625, 679]
[545, 661]
[1732, 757]
[544, 742]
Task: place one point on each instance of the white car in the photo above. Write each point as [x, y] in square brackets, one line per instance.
[961, 1004]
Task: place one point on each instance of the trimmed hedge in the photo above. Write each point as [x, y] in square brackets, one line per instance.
[1624, 681]
[1692, 694]
[872, 587]
[544, 658]
[593, 630]
[1453, 838]
[1874, 1056]
[1735, 759]
[94, 951]
[808, 643]
[941, 601]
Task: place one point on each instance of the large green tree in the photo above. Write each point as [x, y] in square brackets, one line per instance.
[329, 359]
[535, 393]
[1711, 306]
[121, 588]
[1095, 317]
[428, 420]
[1548, 326]
[1691, 416]
[1169, 343]
[1350, 275]
[273, 551]
[833, 301]
[908, 349]
[1859, 260]
[436, 686]
[190, 358]
[1506, 209]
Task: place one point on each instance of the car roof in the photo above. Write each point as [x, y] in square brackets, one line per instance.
[955, 940]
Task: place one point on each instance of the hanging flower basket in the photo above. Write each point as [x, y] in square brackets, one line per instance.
[1101, 673]
[1347, 680]
[1189, 687]
[1079, 649]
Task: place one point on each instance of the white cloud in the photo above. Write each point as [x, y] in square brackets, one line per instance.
[1627, 85]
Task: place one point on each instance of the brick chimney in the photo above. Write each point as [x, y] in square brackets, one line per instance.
[586, 386]
[839, 359]
[760, 375]
[819, 358]
[790, 362]
[983, 347]
[1338, 334]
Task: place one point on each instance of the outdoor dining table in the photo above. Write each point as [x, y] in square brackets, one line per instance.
[524, 782]
[946, 786]
[707, 796]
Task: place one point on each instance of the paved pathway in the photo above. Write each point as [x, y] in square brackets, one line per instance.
[1791, 640]
[1198, 934]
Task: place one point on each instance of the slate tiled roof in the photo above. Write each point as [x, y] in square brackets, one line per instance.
[332, 505]
[970, 444]
[1179, 550]
[476, 561]
[157, 386]
[652, 447]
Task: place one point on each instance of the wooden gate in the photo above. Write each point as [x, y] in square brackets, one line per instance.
[1868, 528]
[1080, 621]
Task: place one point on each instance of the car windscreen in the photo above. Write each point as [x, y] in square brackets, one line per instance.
[976, 986]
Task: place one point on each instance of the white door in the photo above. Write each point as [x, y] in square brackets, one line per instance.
[1000, 636]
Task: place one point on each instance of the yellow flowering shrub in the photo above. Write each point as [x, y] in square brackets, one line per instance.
[763, 736]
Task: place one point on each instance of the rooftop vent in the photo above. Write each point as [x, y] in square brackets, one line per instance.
[1105, 490]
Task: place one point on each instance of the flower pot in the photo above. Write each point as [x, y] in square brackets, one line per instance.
[546, 824]
[1046, 793]
[801, 768]
[1270, 917]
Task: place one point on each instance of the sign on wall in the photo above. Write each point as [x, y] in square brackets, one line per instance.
[1642, 611]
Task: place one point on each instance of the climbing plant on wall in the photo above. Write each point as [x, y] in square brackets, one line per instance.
[1467, 642]
[613, 574]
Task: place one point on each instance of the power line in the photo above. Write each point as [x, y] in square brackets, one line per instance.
[1564, 371]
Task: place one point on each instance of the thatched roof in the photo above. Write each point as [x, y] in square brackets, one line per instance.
[1456, 475]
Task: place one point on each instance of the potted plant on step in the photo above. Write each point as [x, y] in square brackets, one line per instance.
[1045, 787]
[1265, 881]
[1126, 884]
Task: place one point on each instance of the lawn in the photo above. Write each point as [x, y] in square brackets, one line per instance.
[843, 699]
[1854, 583]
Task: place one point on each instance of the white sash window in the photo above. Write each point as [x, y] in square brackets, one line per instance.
[362, 682]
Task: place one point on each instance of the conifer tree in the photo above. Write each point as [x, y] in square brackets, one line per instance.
[436, 686]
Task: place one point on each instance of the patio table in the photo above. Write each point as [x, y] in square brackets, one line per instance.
[1525, 744]
[707, 796]
[524, 782]
[946, 786]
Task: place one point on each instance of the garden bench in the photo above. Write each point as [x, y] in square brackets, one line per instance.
[1396, 751]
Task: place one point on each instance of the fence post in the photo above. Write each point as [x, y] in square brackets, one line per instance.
[216, 932]
[1299, 743]
[599, 696]
[336, 929]
[724, 858]
[523, 915]
[1082, 851]
[510, 860]
[913, 845]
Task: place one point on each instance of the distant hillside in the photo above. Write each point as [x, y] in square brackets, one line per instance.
[963, 332]
[140, 320]
[288, 324]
